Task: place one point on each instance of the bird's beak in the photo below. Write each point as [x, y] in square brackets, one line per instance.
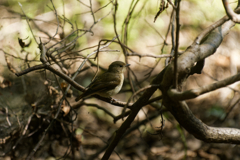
[127, 65]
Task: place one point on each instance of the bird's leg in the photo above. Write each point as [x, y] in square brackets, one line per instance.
[113, 100]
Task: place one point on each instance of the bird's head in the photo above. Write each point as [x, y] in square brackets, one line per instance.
[117, 66]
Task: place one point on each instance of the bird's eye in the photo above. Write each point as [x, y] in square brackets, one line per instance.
[120, 66]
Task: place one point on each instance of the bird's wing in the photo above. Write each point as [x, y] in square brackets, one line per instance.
[105, 82]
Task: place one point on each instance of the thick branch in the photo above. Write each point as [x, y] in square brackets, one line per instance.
[193, 93]
[179, 109]
[200, 130]
[196, 53]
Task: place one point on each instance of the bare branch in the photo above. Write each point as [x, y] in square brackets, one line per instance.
[170, 2]
[108, 100]
[148, 55]
[126, 124]
[83, 4]
[203, 34]
[91, 9]
[231, 14]
[200, 130]
[37, 67]
[136, 93]
[180, 96]
[101, 108]
[28, 22]
[55, 11]
[179, 109]
[177, 3]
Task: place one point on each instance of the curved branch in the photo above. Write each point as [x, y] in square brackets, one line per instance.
[193, 93]
[202, 131]
[37, 67]
[203, 34]
[179, 109]
[231, 14]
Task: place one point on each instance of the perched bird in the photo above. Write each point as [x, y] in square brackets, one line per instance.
[108, 83]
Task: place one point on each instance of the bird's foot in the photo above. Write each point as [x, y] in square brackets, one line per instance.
[113, 100]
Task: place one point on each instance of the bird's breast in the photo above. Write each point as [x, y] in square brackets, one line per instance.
[118, 88]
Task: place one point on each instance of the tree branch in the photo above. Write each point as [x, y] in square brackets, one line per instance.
[231, 14]
[193, 93]
[200, 130]
[179, 109]
[37, 67]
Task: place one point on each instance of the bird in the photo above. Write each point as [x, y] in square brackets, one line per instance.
[108, 83]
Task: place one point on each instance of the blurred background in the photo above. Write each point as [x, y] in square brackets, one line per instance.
[92, 127]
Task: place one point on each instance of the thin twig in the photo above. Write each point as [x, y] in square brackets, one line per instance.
[231, 108]
[55, 11]
[148, 55]
[101, 108]
[27, 22]
[177, 3]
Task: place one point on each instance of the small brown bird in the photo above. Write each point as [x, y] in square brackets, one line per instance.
[108, 83]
